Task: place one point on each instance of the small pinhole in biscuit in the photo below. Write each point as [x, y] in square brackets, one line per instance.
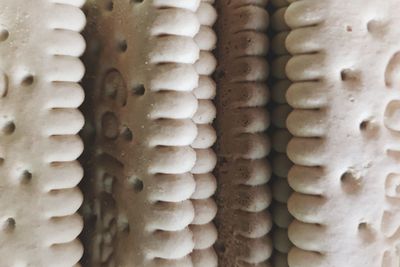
[351, 181]
[109, 125]
[126, 134]
[377, 27]
[109, 6]
[124, 227]
[4, 35]
[138, 90]
[9, 224]
[9, 128]
[364, 125]
[26, 177]
[347, 177]
[362, 226]
[349, 75]
[1, 161]
[122, 46]
[349, 28]
[28, 80]
[219, 247]
[136, 184]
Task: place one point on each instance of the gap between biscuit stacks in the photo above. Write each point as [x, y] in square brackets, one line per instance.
[280, 136]
[40, 69]
[144, 64]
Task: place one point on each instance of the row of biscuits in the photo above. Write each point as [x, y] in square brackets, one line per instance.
[231, 133]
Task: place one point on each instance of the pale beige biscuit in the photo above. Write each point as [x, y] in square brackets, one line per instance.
[242, 171]
[141, 76]
[39, 121]
[345, 146]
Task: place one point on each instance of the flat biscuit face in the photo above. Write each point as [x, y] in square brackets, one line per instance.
[346, 145]
[141, 76]
[243, 171]
[39, 95]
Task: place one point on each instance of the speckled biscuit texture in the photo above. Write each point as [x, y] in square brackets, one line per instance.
[242, 170]
[143, 68]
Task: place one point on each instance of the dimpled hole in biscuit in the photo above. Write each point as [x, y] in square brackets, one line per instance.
[126, 134]
[138, 89]
[8, 128]
[9, 224]
[122, 46]
[136, 184]
[25, 177]
[351, 182]
[4, 35]
[28, 80]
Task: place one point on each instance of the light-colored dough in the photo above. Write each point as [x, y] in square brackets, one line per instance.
[203, 228]
[39, 121]
[141, 75]
[346, 147]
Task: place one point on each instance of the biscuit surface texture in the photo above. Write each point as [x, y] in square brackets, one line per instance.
[203, 228]
[39, 121]
[345, 95]
[142, 73]
[280, 136]
[242, 170]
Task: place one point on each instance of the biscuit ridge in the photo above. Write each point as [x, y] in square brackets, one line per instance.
[242, 169]
[344, 145]
[39, 145]
[143, 112]
[203, 228]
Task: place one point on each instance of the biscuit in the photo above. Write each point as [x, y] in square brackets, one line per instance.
[39, 121]
[242, 146]
[345, 144]
[143, 67]
[203, 229]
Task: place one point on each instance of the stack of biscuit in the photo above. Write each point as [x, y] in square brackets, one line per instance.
[199, 133]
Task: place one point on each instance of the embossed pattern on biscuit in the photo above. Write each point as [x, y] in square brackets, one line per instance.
[142, 75]
[242, 220]
[203, 228]
[39, 121]
[346, 142]
[280, 136]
